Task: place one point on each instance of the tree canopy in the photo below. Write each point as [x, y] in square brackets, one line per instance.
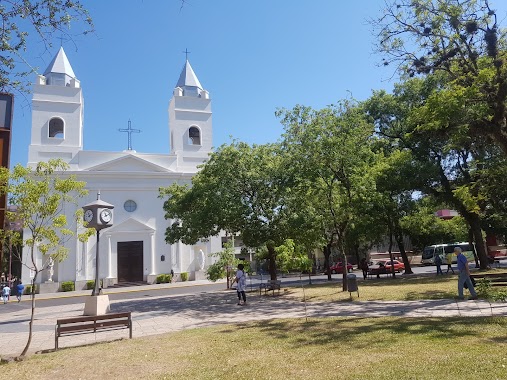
[41, 21]
[241, 189]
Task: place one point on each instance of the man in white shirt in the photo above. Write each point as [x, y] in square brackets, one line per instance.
[6, 292]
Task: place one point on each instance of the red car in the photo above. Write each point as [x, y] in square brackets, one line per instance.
[398, 265]
[338, 268]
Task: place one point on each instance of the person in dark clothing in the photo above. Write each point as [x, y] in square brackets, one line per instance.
[364, 267]
[438, 263]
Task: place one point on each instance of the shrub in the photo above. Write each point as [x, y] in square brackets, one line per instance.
[164, 278]
[485, 290]
[28, 289]
[90, 284]
[68, 286]
[184, 276]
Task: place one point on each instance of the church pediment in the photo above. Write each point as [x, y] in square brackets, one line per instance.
[130, 225]
[129, 164]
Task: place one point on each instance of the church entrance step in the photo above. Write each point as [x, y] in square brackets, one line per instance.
[126, 284]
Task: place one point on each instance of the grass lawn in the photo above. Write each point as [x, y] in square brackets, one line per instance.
[327, 348]
[401, 288]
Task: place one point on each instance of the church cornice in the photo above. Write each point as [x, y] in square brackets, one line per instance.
[191, 111]
[35, 100]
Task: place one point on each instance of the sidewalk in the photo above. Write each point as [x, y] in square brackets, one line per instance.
[162, 314]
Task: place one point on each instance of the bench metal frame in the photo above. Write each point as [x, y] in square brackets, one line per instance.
[270, 285]
[92, 324]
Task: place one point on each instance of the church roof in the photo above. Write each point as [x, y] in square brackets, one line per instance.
[60, 64]
[188, 77]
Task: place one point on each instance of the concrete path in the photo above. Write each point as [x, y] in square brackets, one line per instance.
[158, 315]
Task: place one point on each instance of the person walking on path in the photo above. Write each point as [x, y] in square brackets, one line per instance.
[20, 288]
[464, 275]
[241, 281]
[438, 263]
[6, 292]
[448, 259]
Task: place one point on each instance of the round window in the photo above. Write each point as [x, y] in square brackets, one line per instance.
[130, 206]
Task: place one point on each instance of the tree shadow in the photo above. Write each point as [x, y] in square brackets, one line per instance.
[360, 332]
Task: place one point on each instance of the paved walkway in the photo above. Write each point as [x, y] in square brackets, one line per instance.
[162, 314]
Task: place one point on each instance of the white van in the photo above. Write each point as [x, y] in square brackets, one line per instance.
[429, 253]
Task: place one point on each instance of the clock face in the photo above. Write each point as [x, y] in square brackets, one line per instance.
[106, 216]
[88, 216]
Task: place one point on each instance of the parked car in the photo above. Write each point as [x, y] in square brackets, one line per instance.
[338, 268]
[398, 265]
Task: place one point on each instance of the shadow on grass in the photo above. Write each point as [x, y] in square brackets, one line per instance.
[373, 332]
[429, 295]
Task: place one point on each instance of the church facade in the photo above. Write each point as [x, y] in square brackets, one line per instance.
[134, 248]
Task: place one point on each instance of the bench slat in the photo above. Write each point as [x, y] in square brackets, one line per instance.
[92, 318]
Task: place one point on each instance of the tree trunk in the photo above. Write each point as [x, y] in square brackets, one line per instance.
[272, 261]
[344, 273]
[327, 255]
[32, 315]
[391, 252]
[480, 246]
[471, 242]
[356, 253]
[398, 235]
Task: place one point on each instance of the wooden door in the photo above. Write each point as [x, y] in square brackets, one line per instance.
[130, 261]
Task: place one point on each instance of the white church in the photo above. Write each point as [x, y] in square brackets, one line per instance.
[134, 248]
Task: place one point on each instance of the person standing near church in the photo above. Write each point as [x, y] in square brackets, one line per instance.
[6, 292]
[241, 281]
[464, 275]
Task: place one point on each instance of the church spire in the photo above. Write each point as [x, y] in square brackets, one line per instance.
[188, 80]
[60, 65]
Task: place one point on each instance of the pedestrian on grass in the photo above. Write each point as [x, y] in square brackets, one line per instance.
[364, 267]
[6, 292]
[20, 288]
[448, 260]
[241, 284]
[464, 275]
[438, 263]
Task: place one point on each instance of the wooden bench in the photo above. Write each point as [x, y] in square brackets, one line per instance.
[92, 324]
[270, 285]
[378, 271]
[496, 279]
[496, 260]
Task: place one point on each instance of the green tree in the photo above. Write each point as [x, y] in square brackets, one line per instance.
[393, 197]
[463, 41]
[241, 189]
[330, 151]
[222, 267]
[445, 163]
[24, 19]
[41, 195]
[289, 257]
[425, 228]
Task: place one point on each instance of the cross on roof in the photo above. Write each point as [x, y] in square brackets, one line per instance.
[186, 53]
[129, 131]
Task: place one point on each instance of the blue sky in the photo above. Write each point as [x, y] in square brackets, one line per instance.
[252, 56]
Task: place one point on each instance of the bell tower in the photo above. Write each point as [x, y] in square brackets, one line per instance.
[57, 113]
[190, 123]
